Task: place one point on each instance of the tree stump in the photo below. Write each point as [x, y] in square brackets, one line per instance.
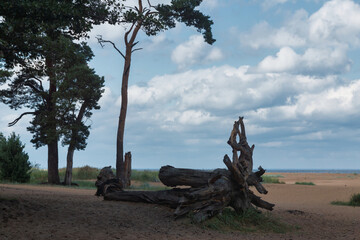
[208, 192]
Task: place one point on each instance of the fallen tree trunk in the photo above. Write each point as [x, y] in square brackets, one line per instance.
[209, 192]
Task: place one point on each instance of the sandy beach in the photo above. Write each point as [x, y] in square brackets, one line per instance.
[44, 212]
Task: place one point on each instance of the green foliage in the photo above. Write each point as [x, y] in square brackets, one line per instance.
[38, 37]
[38, 175]
[85, 173]
[14, 162]
[249, 221]
[154, 19]
[86, 184]
[184, 11]
[354, 201]
[305, 183]
[82, 173]
[145, 175]
[271, 179]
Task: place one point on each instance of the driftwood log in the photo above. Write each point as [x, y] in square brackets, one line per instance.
[208, 192]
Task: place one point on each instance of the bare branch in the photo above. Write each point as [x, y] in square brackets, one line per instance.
[136, 49]
[135, 44]
[149, 4]
[17, 119]
[102, 41]
[127, 34]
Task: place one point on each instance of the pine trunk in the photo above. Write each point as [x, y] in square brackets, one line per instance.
[71, 149]
[53, 163]
[121, 172]
[69, 165]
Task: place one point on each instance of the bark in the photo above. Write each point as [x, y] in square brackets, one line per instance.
[129, 44]
[71, 149]
[69, 165]
[173, 177]
[53, 156]
[53, 162]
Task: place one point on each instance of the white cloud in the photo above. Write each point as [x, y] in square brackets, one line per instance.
[330, 104]
[195, 51]
[286, 59]
[108, 32]
[336, 23]
[323, 61]
[263, 35]
[179, 101]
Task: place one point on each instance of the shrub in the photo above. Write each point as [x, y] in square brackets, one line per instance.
[249, 221]
[354, 201]
[305, 183]
[14, 162]
[145, 175]
[270, 179]
[38, 175]
[85, 173]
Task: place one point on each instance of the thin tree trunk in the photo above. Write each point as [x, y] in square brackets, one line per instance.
[71, 149]
[120, 164]
[69, 165]
[121, 126]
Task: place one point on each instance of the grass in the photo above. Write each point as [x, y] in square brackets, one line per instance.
[354, 201]
[83, 173]
[86, 176]
[305, 183]
[86, 184]
[271, 179]
[249, 221]
[145, 175]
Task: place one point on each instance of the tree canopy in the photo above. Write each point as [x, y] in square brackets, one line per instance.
[40, 62]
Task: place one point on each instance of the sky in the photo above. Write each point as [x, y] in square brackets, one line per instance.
[290, 67]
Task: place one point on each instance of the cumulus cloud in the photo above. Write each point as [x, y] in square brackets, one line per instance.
[180, 101]
[332, 104]
[315, 44]
[336, 23]
[195, 51]
[314, 61]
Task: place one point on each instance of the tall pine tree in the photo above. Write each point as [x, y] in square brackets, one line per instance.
[37, 47]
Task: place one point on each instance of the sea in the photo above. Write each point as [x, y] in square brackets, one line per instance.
[347, 171]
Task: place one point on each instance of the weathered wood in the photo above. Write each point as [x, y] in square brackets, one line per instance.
[173, 177]
[107, 182]
[255, 179]
[236, 174]
[209, 192]
[127, 170]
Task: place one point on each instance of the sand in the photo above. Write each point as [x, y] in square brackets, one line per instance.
[43, 212]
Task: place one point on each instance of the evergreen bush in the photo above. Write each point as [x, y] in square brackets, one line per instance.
[14, 162]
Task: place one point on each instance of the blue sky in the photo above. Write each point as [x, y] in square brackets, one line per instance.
[290, 67]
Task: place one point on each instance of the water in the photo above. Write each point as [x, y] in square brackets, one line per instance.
[348, 171]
